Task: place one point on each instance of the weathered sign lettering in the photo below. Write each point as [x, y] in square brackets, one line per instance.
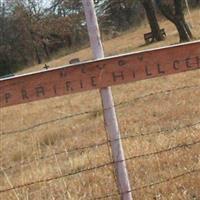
[100, 73]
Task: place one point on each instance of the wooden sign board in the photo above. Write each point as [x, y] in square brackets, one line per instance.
[101, 73]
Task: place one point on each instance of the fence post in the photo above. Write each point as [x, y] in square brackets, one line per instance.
[110, 118]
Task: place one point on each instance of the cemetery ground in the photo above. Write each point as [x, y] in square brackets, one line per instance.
[159, 121]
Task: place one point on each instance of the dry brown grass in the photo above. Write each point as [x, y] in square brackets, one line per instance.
[164, 111]
[131, 40]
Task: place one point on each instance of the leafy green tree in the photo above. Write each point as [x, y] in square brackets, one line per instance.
[120, 14]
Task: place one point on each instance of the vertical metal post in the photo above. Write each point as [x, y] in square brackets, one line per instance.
[110, 118]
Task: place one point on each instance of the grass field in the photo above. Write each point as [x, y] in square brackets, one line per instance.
[160, 124]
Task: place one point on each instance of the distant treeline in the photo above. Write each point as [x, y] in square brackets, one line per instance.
[31, 32]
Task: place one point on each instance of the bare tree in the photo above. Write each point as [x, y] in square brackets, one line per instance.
[152, 19]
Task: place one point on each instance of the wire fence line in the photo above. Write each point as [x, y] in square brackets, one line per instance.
[121, 104]
[174, 148]
[190, 172]
[25, 163]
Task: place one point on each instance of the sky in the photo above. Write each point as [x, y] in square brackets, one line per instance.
[47, 3]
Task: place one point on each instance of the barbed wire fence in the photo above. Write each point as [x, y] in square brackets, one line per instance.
[121, 104]
[107, 142]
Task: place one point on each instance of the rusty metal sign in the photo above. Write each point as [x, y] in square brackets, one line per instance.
[100, 73]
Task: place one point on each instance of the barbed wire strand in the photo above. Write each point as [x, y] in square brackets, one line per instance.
[96, 145]
[124, 103]
[89, 112]
[92, 146]
[113, 172]
[151, 184]
[174, 148]
[106, 164]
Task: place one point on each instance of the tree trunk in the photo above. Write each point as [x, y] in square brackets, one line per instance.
[176, 16]
[45, 48]
[37, 56]
[153, 22]
[182, 30]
